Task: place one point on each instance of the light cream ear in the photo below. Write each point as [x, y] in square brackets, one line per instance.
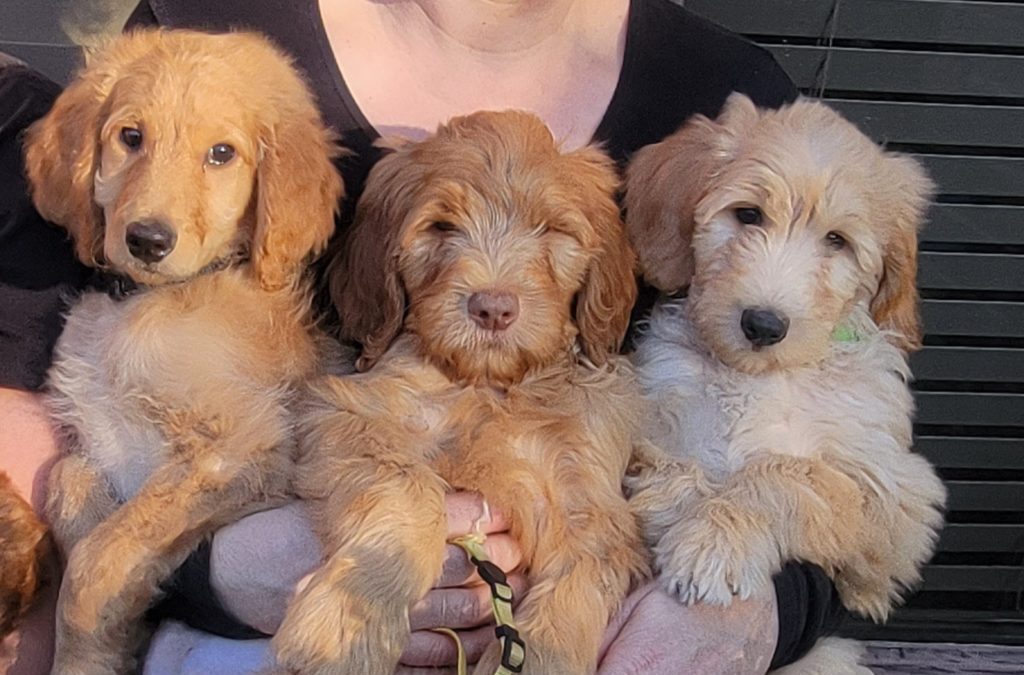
[298, 186]
[365, 283]
[609, 291]
[895, 305]
[666, 180]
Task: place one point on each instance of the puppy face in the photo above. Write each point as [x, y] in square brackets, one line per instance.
[174, 182]
[782, 224]
[503, 249]
[174, 150]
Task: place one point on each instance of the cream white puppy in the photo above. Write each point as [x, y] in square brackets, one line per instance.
[779, 384]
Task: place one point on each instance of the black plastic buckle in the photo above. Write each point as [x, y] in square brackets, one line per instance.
[495, 578]
[511, 638]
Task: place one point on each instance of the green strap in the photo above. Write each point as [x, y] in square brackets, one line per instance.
[513, 649]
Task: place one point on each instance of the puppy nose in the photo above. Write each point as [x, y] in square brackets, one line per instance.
[763, 327]
[150, 241]
[493, 311]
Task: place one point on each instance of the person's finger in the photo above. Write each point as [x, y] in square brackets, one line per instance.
[458, 608]
[429, 649]
[502, 549]
[466, 511]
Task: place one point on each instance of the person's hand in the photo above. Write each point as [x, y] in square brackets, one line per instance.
[256, 563]
[655, 634]
[461, 600]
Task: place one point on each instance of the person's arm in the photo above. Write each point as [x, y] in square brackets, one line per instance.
[27, 450]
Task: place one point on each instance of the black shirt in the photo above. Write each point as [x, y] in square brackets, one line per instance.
[675, 65]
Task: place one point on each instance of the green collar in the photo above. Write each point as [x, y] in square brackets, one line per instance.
[844, 333]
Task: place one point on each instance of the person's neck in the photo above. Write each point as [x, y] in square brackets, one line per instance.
[495, 27]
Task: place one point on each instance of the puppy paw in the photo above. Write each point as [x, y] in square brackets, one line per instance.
[714, 555]
[331, 631]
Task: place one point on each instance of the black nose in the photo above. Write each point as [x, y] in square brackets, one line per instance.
[763, 327]
[150, 241]
[493, 311]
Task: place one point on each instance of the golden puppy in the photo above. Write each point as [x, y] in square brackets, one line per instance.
[780, 384]
[24, 545]
[489, 281]
[196, 167]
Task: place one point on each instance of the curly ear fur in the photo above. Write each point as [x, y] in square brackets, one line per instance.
[895, 305]
[609, 291]
[298, 187]
[664, 183]
[365, 284]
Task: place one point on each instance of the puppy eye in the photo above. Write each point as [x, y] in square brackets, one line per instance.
[749, 215]
[835, 241]
[131, 137]
[222, 153]
[442, 226]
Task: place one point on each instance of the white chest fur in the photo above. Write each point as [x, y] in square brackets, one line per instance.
[703, 410]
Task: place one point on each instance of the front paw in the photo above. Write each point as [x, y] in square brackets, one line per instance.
[330, 630]
[715, 554]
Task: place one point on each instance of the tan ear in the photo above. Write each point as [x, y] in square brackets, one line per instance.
[895, 305]
[365, 283]
[61, 160]
[298, 187]
[609, 290]
[664, 183]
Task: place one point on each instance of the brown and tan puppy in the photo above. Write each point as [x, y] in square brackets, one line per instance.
[196, 167]
[779, 384]
[490, 282]
[24, 545]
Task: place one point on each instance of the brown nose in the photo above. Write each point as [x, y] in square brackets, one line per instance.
[493, 311]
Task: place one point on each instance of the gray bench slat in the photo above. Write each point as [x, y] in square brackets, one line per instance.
[985, 496]
[959, 538]
[955, 452]
[32, 22]
[896, 70]
[972, 364]
[972, 175]
[935, 123]
[57, 63]
[948, 21]
[975, 223]
[969, 408]
[985, 319]
[970, 271]
[971, 578]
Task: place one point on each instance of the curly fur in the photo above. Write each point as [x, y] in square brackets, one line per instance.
[800, 449]
[173, 403]
[24, 545]
[527, 416]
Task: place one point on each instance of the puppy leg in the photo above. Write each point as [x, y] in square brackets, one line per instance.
[78, 499]
[221, 472]
[662, 490]
[772, 510]
[588, 552]
[903, 511]
[381, 517]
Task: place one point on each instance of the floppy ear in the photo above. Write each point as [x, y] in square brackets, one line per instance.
[664, 183]
[895, 305]
[61, 160]
[604, 303]
[365, 283]
[298, 187]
